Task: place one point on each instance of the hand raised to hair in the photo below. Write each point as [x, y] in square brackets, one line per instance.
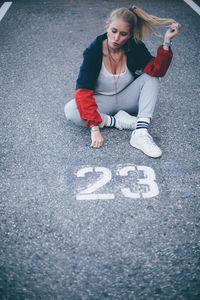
[97, 139]
[172, 31]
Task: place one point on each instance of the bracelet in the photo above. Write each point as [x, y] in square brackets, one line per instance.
[167, 44]
[93, 130]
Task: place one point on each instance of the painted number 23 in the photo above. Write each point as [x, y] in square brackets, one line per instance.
[145, 186]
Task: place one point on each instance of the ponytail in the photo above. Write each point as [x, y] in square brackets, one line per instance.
[141, 23]
[145, 22]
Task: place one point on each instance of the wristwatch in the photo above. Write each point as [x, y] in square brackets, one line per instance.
[167, 44]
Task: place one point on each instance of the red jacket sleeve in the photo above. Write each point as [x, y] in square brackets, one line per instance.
[87, 107]
[159, 65]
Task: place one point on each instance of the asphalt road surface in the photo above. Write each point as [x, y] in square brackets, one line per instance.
[79, 223]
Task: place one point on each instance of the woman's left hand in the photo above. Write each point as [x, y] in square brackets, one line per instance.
[172, 31]
[97, 139]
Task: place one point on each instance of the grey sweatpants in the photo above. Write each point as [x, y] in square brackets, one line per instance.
[139, 97]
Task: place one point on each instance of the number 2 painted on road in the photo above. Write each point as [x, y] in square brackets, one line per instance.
[148, 180]
[88, 193]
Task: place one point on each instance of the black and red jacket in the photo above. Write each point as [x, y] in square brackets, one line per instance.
[138, 58]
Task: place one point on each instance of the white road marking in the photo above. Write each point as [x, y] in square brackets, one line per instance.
[193, 5]
[95, 197]
[88, 193]
[149, 180]
[4, 8]
[143, 182]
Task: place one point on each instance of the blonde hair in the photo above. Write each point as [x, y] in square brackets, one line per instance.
[141, 23]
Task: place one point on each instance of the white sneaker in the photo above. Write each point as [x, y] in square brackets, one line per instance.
[145, 143]
[125, 121]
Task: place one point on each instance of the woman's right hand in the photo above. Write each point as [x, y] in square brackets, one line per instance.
[97, 139]
[172, 31]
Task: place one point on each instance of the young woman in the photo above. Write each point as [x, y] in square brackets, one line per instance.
[109, 90]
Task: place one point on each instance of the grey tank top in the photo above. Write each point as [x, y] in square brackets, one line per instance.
[111, 84]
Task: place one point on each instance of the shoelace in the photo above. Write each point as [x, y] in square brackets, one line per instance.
[149, 140]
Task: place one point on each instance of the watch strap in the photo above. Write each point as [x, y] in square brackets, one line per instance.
[167, 44]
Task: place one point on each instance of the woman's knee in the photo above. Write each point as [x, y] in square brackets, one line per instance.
[152, 79]
[70, 109]
[72, 113]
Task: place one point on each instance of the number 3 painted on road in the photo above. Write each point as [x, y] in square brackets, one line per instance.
[149, 180]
